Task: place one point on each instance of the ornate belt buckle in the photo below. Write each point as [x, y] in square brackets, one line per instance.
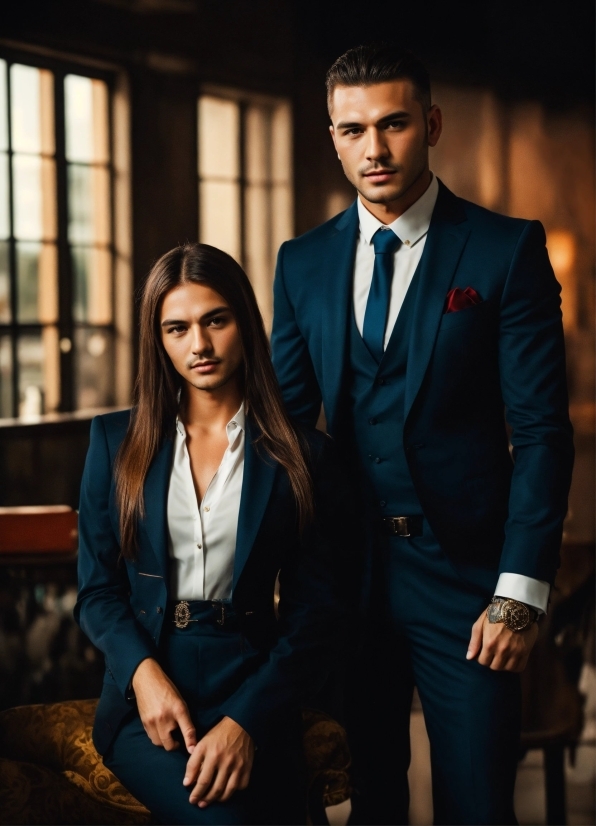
[182, 614]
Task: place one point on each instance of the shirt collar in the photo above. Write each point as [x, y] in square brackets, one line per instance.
[409, 227]
[237, 422]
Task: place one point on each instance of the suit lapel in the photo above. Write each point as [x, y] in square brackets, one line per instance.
[257, 484]
[338, 265]
[156, 502]
[446, 240]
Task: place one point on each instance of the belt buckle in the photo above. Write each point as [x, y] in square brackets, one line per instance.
[181, 614]
[400, 522]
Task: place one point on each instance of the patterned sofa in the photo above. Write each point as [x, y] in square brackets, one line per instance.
[50, 772]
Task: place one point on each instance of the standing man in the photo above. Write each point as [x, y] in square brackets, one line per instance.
[426, 325]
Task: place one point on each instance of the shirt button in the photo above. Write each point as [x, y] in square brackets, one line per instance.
[372, 421]
[159, 609]
[382, 503]
[377, 460]
[199, 546]
[207, 509]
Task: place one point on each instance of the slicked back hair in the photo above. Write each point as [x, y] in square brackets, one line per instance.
[374, 63]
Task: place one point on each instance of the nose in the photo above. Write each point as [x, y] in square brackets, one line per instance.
[376, 148]
[201, 341]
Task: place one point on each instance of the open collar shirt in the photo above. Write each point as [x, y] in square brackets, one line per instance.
[202, 535]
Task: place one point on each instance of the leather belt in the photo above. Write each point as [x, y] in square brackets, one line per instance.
[402, 525]
[216, 613]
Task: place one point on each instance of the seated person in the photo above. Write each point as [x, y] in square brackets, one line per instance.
[191, 504]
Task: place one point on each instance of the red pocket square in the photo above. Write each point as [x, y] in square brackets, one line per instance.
[460, 299]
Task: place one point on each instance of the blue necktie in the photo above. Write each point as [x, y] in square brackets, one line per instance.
[385, 242]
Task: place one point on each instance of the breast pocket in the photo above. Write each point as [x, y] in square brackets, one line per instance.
[470, 316]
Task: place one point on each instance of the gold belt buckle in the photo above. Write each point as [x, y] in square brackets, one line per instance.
[182, 614]
[400, 526]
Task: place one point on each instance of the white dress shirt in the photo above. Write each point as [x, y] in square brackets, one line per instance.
[202, 538]
[412, 228]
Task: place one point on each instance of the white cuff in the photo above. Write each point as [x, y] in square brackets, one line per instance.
[533, 592]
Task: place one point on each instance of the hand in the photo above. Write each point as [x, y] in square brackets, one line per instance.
[220, 764]
[500, 648]
[161, 708]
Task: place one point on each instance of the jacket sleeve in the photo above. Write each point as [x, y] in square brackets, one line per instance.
[291, 359]
[534, 389]
[317, 591]
[103, 607]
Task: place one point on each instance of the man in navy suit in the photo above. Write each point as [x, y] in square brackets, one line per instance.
[427, 326]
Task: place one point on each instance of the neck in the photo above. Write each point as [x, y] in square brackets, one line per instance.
[210, 410]
[390, 211]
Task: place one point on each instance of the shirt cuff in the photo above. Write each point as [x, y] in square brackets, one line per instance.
[533, 592]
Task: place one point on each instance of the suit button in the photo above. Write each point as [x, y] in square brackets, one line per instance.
[372, 421]
[159, 609]
[380, 381]
[382, 503]
[377, 460]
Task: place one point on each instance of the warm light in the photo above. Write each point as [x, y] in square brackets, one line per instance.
[562, 251]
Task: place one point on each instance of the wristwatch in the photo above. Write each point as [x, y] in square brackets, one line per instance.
[517, 616]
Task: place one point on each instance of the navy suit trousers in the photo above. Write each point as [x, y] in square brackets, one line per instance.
[207, 665]
[472, 714]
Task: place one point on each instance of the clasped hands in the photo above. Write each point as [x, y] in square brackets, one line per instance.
[219, 764]
[498, 647]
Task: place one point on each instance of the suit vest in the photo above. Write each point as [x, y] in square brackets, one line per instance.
[377, 396]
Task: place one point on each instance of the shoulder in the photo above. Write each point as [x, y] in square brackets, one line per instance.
[111, 426]
[309, 241]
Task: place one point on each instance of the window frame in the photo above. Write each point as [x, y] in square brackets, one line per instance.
[66, 326]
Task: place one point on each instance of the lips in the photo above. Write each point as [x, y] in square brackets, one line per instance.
[204, 366]
[379, 175]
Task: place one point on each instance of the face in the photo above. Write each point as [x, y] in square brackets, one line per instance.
[201, 337]
[382, 134]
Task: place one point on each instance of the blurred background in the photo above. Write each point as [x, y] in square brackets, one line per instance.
[129, 126]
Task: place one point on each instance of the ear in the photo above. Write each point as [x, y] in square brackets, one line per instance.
[435, 125]
[332, 133]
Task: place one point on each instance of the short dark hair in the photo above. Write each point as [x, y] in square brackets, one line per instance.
[374, 63]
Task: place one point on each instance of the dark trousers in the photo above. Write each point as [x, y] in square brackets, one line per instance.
[418, 632]
[207, 664]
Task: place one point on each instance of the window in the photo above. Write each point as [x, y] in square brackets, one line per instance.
[57, 332]
[245, 182]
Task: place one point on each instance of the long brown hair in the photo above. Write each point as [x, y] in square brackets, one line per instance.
[158, 384]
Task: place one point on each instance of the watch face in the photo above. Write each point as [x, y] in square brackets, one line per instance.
[493, 612]
[516, 615]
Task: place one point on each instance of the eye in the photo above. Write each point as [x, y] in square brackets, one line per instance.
[396, 124]
[355, 130]
[177, 328]
[217, 321]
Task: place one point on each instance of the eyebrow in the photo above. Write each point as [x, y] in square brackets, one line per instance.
[169, 322]
[385, 119]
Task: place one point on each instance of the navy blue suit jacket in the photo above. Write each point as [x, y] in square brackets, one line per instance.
[121, 605]
[465, 371]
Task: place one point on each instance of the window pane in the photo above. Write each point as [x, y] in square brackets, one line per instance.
[51, 368]
[37, 283]
[257, 144]
[34, 198]
[219, 135]
[220, 216]
[258, 261]
[4, 284]
[32, 107]
[281, 144]
[4, 197]
[30, 359]
[94, 368]
[88, 205]
[92, 274]
[3, 108]
[282, 215]
[86, 110]
[5, 377]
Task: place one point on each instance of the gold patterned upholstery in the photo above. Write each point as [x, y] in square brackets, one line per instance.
[50, 772]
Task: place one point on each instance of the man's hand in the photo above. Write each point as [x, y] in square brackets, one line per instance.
[161, 708]
[499, 648]
[220, 764]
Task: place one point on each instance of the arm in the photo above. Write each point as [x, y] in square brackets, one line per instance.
[104, 612]
[534, 388]
[291, 359]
